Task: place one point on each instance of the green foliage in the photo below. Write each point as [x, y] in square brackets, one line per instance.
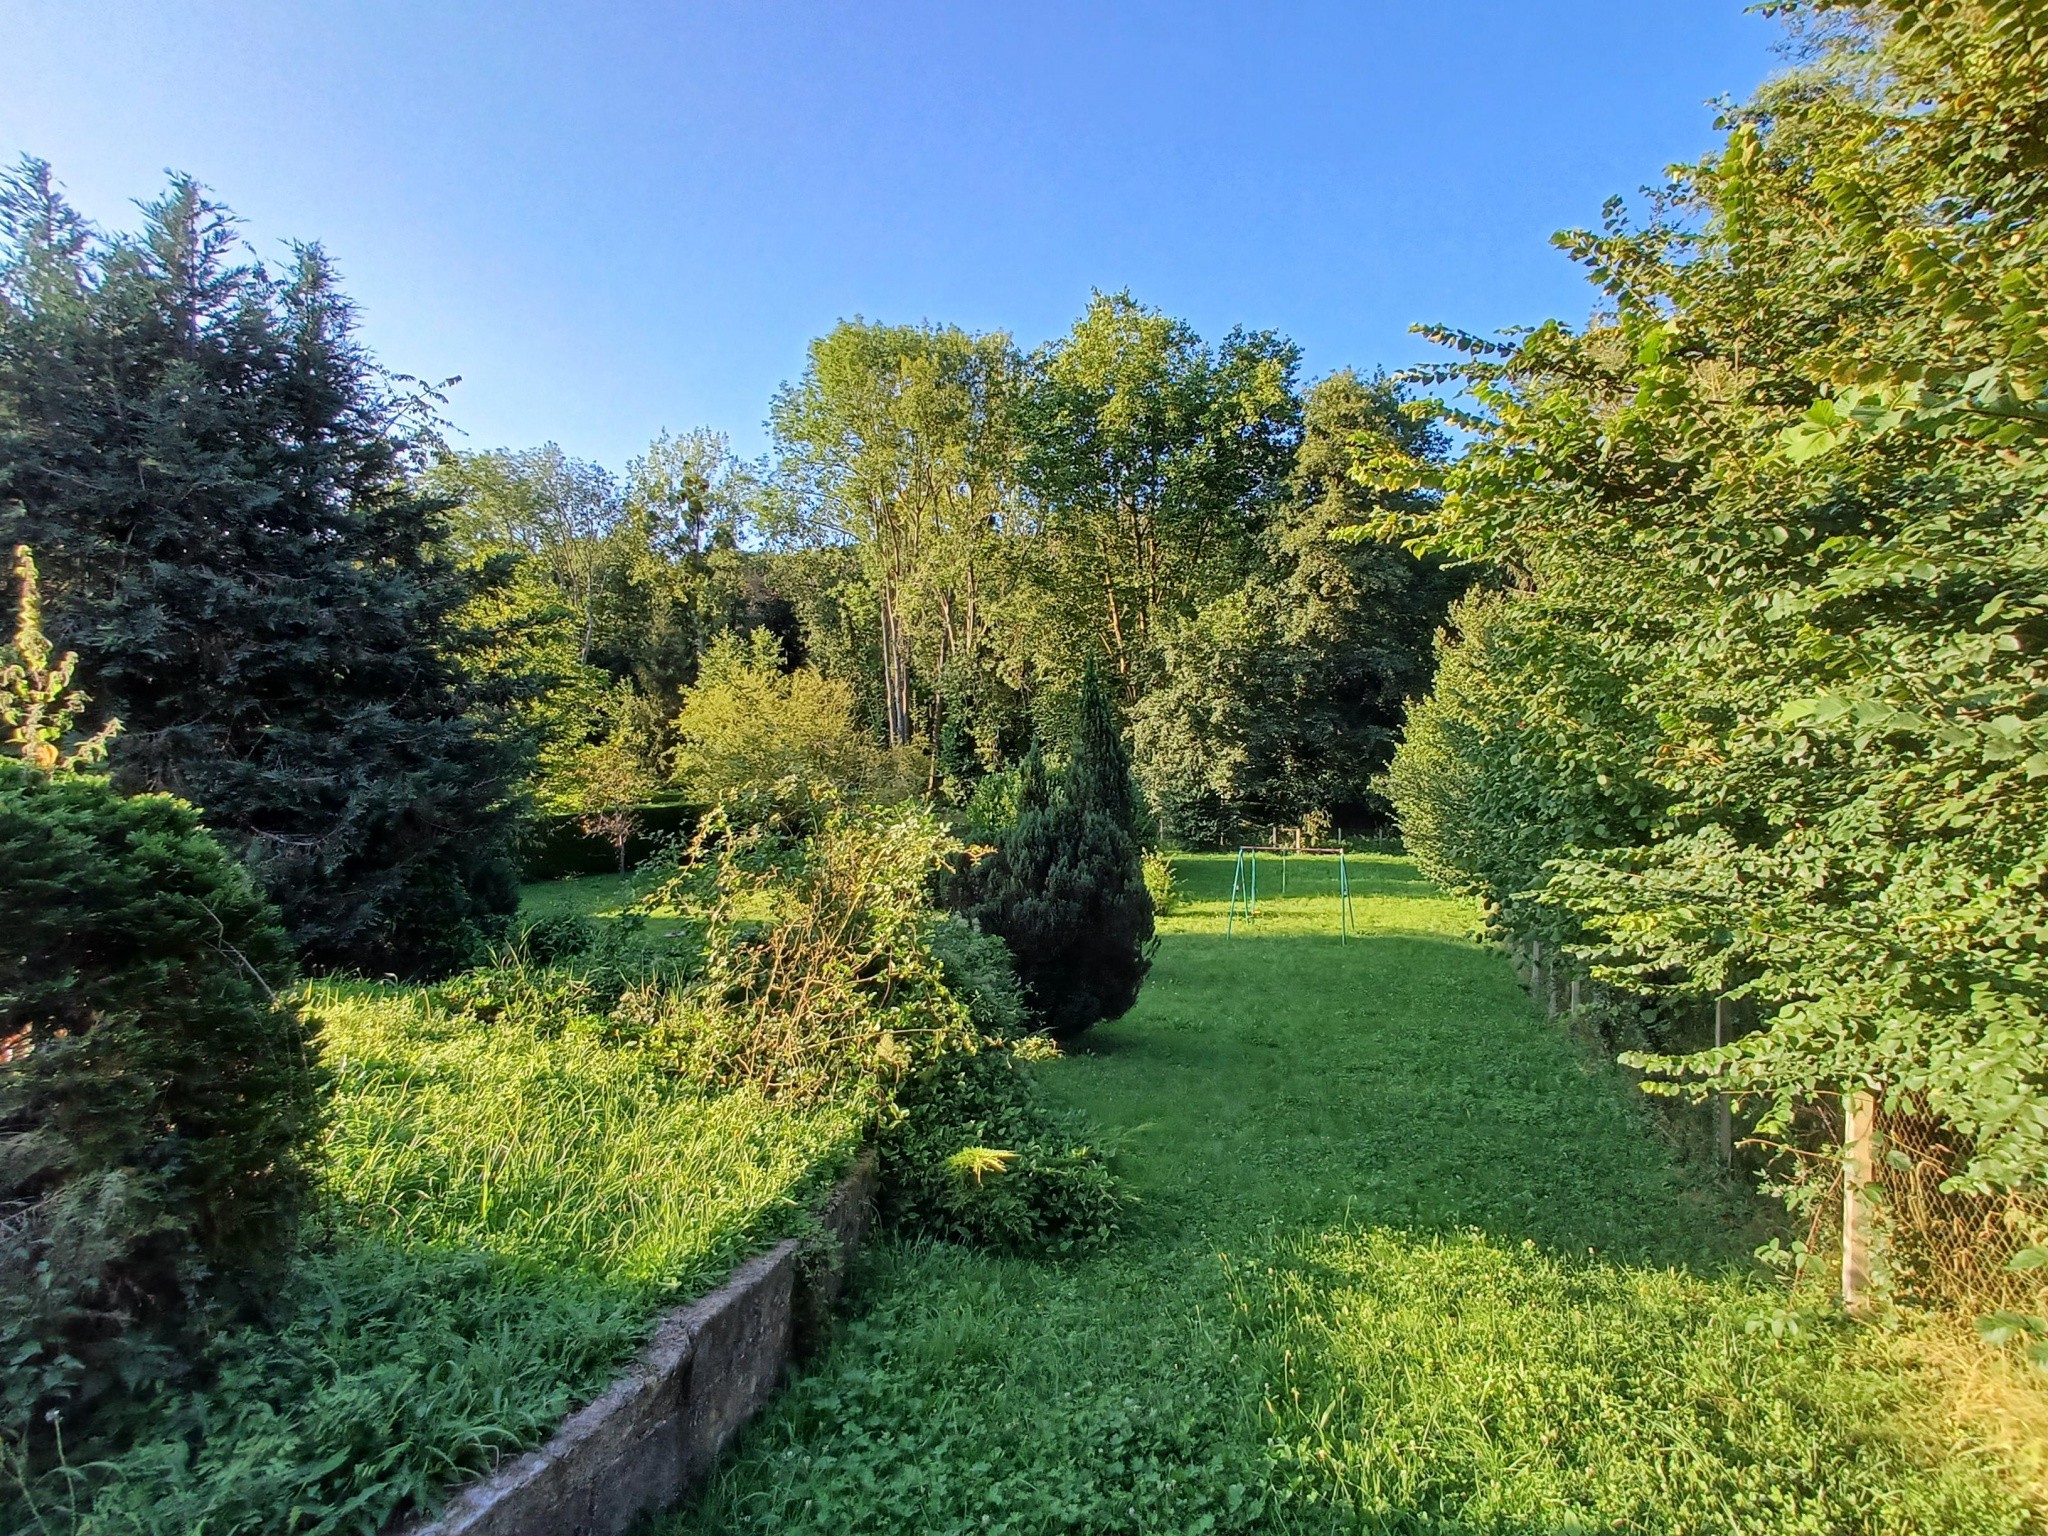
[750, 726]
[962, 525]
[977, 1156]
[214, 476]
[1636, 1397]
[37, 702]
[991, 810]
[971, 1151]
[389, 1374]
[558, 937]
[818, 979]
[979, 972]
[156, 1099]
[1281, 699]
[897, 441]
[507, 1204]
[534, 1132]
[607, 591]
[1769, 668]
[1154, 460]
[1159, 883]
[1527, 746]
[1066, 891]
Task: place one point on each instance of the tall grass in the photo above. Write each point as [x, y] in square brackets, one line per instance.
[505, 1208]
[564, 1152]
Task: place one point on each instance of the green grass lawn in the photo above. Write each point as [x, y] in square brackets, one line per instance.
[1406, 1260]
[587, 896]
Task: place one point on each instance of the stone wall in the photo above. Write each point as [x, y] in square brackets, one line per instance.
[660, 1428]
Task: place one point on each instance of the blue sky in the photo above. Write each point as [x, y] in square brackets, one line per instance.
[614, 218]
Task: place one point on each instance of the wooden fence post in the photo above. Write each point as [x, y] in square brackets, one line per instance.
[1859, 1124]
[1724, 1114]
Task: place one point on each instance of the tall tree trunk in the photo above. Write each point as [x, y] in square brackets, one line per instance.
[1116, 631]
[895, 672]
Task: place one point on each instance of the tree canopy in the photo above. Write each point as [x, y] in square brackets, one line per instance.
[218, 482]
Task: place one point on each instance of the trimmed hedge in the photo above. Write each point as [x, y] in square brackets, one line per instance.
[554, 845]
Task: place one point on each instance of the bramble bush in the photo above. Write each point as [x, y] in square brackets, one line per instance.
[825, 976]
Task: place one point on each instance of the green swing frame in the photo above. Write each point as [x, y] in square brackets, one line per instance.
[1244, 881]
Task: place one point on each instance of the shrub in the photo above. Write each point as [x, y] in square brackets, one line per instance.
[979, 972]
[826, 978]
[991, 810]
[1067, 889]
[564, 936]
[975, 1155]
[817, 975]
[155, 1097]
[1159, 883]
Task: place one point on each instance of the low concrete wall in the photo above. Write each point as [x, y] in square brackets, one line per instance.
[660, 1428]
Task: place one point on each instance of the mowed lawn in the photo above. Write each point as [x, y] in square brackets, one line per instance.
[1405, 1258]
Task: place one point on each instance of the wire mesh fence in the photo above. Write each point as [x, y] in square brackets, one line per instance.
[1945, 1248]
[1934, 1246]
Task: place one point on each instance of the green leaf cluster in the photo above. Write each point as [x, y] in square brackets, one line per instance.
[1280, 700]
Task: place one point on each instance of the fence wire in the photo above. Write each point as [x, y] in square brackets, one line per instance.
[1947, 1249]
[1941, 1249]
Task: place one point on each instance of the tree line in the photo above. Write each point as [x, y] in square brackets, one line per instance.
[372, 659]
[1751, 703]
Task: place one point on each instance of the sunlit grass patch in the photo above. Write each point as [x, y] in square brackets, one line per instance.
[503, 1209]
[601, 896]
[1406, 1259]
[564, 1152]
[1467, 1383]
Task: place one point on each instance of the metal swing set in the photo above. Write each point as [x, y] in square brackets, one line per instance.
[1244, 883]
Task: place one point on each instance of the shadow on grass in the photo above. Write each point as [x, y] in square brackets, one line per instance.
[1400, 1080]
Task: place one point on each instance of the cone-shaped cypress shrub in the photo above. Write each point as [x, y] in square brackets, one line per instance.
[1067, 892]
[156, 1101]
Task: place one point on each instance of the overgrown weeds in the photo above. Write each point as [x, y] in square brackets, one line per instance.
[524, 1164]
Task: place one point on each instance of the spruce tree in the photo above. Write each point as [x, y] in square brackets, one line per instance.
[217, 480]
[1067, 893]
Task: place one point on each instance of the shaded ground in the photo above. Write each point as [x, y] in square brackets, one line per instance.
[1403, 1260]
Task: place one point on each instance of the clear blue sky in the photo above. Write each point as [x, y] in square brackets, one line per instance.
[611, 218]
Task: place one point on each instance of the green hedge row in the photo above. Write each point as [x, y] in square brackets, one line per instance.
[554, 845]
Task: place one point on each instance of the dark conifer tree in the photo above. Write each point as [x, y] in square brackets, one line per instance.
[216, 479]
[1067, 893]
